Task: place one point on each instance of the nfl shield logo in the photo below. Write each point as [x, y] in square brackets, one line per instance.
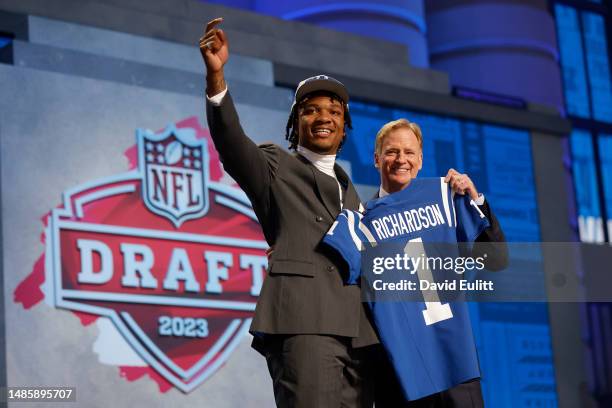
[174, 183]
[181, 295]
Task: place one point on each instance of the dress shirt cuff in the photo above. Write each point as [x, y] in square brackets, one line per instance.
[480, 200]
[218, 98]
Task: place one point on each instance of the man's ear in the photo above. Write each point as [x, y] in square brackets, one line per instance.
[376, 160]
[421, 161]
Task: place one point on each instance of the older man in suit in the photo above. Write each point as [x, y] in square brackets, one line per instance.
[398, 156]
[312, 329]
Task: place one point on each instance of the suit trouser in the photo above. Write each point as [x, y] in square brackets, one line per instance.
[389, 394]
[317, 371]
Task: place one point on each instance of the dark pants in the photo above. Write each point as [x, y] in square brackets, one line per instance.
[315, 371]
[388, 391]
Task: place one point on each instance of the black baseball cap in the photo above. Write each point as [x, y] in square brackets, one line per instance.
[321, 83]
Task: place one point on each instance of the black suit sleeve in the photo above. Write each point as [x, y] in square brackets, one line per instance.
[491, 242]
[251, 166]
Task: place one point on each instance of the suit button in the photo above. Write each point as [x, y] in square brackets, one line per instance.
[331, 268]
[318, 218]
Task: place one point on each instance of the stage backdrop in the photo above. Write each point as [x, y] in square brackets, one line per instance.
[132, 262]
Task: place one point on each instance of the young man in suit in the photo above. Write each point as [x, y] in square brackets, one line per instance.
[398, 157]
[311, 328]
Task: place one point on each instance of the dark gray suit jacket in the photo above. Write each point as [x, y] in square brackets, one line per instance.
[295, 204]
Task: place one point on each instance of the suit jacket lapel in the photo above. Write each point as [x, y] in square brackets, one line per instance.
[351, 199]
[327, 188]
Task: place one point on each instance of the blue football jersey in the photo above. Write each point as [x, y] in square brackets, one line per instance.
[429, 343]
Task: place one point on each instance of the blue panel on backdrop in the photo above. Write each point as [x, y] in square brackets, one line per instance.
[4, 41]
[585, 178]
[513, 340]
[511, 185]
[516, 358]
[596, 48]
[605, 156]
[585, 183]
[572, 61]
[359, 147]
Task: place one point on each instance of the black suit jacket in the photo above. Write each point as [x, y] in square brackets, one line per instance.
[295, 204]
[491, 242]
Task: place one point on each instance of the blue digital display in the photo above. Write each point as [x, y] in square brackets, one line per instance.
[596, 48]
[4, 41]
[359, 148]
[605, 156]
[516, 359]
[513, 340]
[572, 61]
[585, 183]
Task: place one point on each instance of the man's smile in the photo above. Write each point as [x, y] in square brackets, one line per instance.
[321, 132]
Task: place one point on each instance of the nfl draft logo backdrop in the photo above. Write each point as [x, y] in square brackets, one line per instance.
[171, 254]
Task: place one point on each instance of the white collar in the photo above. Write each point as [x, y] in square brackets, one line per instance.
[382, 193]
[323, 162]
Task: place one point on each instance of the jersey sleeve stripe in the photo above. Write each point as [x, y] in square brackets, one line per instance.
[368, 234]
[453, 207]
[444, 194]
[352, 221]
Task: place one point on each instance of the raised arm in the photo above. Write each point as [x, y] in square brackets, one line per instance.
[215, 53]
[252, 167]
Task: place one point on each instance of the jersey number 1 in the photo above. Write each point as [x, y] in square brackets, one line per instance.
[434, 311]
